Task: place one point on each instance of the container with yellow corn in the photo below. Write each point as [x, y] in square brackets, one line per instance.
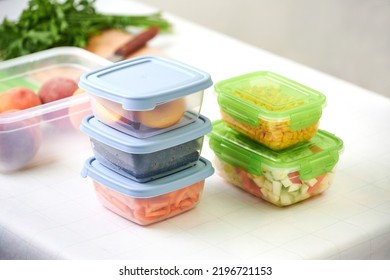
[272, 110]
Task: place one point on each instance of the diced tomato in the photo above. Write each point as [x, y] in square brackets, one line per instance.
[294, 177]
[249, 185]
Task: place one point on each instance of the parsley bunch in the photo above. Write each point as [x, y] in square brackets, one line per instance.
[50, 23]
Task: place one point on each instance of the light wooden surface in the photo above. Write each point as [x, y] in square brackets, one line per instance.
[108, 41]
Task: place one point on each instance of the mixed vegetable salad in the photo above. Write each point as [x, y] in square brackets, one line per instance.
[279, 177]
[281, 187]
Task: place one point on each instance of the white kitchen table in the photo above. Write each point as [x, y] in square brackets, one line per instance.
[50, 212]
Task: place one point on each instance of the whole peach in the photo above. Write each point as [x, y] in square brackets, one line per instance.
[18, 98]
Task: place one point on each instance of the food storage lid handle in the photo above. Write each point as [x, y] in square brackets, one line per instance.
[304, 119]
[247, 114]
[318, 166]
[243, 159]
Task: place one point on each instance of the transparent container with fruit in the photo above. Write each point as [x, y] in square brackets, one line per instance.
[147, 95]
[41, 106]
[282, 177]
[153, 201]
[273, 110]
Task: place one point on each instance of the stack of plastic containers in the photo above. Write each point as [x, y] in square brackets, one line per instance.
[268, 142]
[147, 134]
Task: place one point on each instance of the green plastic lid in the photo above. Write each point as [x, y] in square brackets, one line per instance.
[269, 96]
[317, 156]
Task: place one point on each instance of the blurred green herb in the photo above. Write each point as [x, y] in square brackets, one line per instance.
[50, 23]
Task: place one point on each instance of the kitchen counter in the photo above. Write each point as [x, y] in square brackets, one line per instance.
[50, 212]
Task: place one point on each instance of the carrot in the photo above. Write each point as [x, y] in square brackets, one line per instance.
[186, 203]
[195, 190]
[100, 192]
[158, 213]
[319, 180]
[112, 202]
[140, 217]
[156, 203]
[119, 205]
[145, 211]
[179, 196]
[132, 202]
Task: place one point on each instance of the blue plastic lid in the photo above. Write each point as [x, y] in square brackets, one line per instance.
[111, 179]
[142, 83]
[124, 142]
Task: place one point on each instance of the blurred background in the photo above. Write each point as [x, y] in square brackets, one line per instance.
[349, 39]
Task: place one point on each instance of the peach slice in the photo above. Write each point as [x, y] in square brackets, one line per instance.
[163, 115]
[108, 114]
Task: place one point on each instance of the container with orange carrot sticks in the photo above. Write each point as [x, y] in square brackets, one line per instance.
[149, 202]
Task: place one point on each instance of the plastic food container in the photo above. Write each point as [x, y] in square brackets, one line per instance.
[279, 177]
[43, 133]
[154, 201]
[146, 96]
[146, 159]
[271, 109]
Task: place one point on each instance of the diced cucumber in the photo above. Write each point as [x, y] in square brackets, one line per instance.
[285, 199]
[265, 193]
[279, 174]
[294, 187]
[303, 196]
[304, 189]
[311, 182]
[276, 187]
[273, 198]
[259, 180]
[268, 185]
[268, 175]
[286, 182]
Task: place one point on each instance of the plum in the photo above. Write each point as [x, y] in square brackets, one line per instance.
[19, 142]
[54, 89]
[57, 88]
[18, 98]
